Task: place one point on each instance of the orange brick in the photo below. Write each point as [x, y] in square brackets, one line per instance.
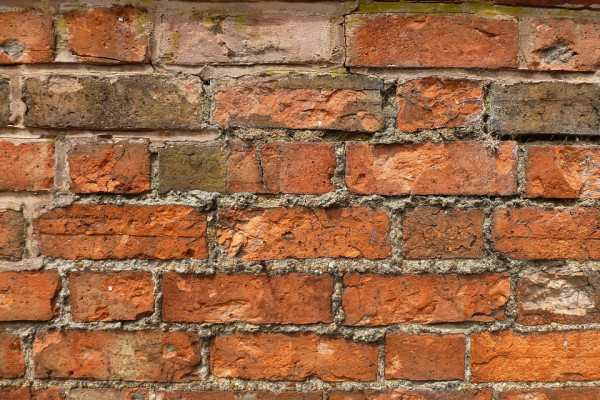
[25, 37]
[12, 364]
[12, 234]
[27, 166]
[28, 296]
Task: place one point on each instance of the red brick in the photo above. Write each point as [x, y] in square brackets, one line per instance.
[28, 296]
[532, 233]
[483, 394]
[111, 296]
[549, 3]
[541, 357]
[458, 168]
[240, 396]
[561, 44]
[437, 233]
[562, 296]
[432, 103]
[565, 172]
[424, 357]
[553, 394]
[278, 233]
[25, 393]
[108, 394]
[25, 37]
[108, 35]
[258, 299]
[27, 166]
[417, 40]
[121, 166]
[300, 103]
[12, 234]
[292, 357]
[370, 300]
[244, 173]
[11, 356]
[260, 33]
[117, 355]
[123, 231]
[298, 167]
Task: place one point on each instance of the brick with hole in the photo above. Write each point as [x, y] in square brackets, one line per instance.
[240, 395]
[292, 357]
[108, 35]
[422, 41]
[153, 356]
[25, 36]
[507, 356]
[564, 172]
[483, 394]
[437, 233]
[372, 300]
[424, 357]
[454, 168]
[12, 364]
[434, 103]
[341, 103]
[259, 299]
[27, 166]
[279, 233]
[535, 233]
[29, 296]
[99, 232]
[561, 44]
[121, 166]
[111, 296]
[12, 235]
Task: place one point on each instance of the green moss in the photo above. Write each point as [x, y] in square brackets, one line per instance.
[141, 22]
[63, 26]
[175, 40]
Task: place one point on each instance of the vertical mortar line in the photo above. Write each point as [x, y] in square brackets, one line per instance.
[204, 369]
[157, 280]
[339, 174]
[521, 171]
[381, 360]
[337, 310]
[62, 146]
[17, 107]
[152, 22]
[154, 169]
[468, 373]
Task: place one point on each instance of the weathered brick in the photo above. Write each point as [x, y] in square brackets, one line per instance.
[532, 233]
[28, 296]
[561, 296]
[240, 396]
[542, 357]
[552, 394]
[12, 234]
[278, 233]
[127, 102]
[121, 166]
[259, 299]
[26, 166]
[424, 357]
[456, 168]
[25, 393]
[292, 357]
[108, 35]
[11, 356]
[4, 102]
[110, 296]
[108, 394]
[25, 37]
[117, 355]
[565, 172]
[298, 167]
[533, 108]
[436, 233]
[260, 34]
[555, 44]
[483, 394]
[300, 102]
[370, 300]
[244, 172]
[123, 231]
[432, 103]
[549, 3]
[417, 40]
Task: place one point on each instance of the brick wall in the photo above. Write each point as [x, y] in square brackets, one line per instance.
[344, 200]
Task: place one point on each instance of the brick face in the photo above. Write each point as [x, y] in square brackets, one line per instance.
[25, 37]
[247, 298]
[484, 394]
[370, 300]
[27, 166]
[460, 168]
[119, 232]
[552, 394]
[298, 232]
[12, 364]
[411, 40]
[12, 235]
[28, 296]
[240, 395]
[292, 357]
